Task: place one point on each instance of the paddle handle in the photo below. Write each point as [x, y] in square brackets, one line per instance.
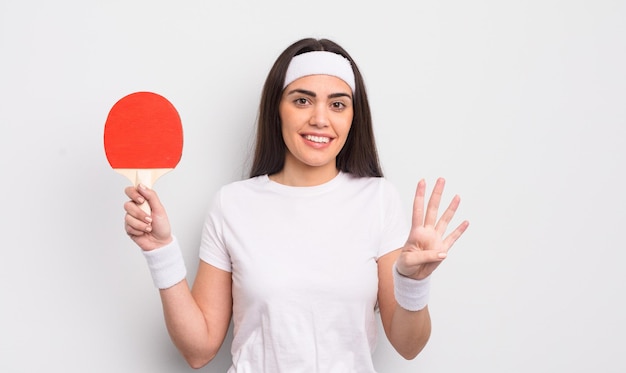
[147, 177]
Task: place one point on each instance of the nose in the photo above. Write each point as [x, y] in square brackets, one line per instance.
[319, 116]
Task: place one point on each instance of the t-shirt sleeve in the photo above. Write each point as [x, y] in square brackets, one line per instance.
[395, 225]
[212, 247]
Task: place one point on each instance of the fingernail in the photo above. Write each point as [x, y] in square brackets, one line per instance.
[149, 228]
[141, 200]
[442, 255]
[148, 219]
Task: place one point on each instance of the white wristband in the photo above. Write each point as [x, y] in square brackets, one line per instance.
[166, 265]
[412, 295]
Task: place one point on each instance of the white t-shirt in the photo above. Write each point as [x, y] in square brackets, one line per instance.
[303, 263]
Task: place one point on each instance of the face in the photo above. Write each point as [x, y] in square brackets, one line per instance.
[316, 114]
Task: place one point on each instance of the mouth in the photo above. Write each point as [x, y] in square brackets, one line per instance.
[317, 139]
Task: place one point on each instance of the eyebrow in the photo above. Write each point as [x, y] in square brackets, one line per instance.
[313, 94]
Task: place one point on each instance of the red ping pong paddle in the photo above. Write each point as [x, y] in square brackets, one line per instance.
[143, 138]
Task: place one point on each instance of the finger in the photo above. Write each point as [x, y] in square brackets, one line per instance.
[454, 235]
[411, 263]
[134, 195]
[152, 199]
[418, 204]
[136, 227]
[447, 216]
[433, 202]
[136, 200]
[160, 224]
[134, 232]
[134, 210]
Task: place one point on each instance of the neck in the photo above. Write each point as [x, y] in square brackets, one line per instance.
[304, 176]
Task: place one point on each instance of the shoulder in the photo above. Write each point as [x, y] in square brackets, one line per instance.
[241, 194]
[243, 186]
[379, 183]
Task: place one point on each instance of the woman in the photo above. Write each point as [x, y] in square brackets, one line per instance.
[304, 252]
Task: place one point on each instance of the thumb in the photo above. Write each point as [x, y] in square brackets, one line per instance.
[152, 199]
[412, 258]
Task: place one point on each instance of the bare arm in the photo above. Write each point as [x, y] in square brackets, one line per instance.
[425, 249]
[197, 320]
[407, 331]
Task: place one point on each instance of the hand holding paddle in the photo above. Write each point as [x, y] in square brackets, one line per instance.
[143, 138]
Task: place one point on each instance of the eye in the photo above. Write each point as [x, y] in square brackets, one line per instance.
[301, 101]
[338, 105]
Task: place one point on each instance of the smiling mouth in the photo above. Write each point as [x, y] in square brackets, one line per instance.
[317, 139]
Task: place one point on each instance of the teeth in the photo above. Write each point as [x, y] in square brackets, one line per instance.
[323, 140]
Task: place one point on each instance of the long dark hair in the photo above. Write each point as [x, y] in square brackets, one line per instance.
[358, 157]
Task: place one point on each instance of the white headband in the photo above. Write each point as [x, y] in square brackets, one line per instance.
[320, 63]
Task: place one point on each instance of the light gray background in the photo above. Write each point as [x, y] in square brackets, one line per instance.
[520, 105]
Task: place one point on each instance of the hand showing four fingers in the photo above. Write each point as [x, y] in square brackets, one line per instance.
[427, 245]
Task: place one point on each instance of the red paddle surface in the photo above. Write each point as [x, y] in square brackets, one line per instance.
[143, 131]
